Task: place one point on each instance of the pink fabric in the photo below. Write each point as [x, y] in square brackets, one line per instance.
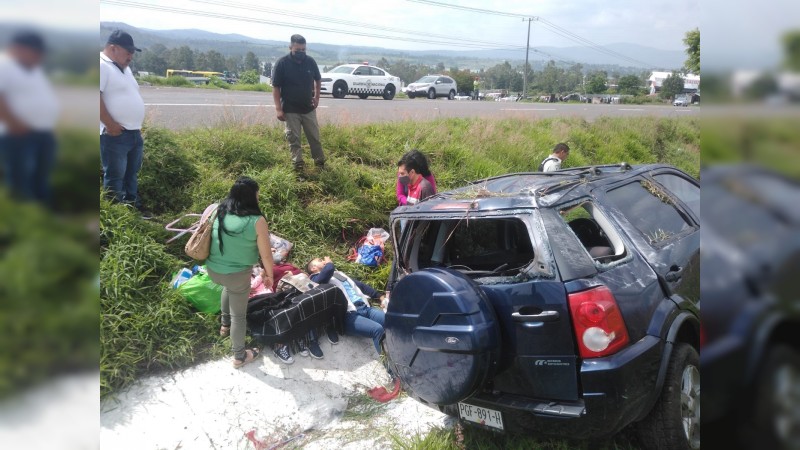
[402, 198]
[257, 286]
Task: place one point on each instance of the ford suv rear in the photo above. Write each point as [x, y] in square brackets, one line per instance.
[562, 303]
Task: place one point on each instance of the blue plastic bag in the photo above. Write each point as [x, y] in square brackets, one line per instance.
[369, 255]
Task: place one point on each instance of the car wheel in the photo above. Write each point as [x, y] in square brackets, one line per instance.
[388, 92]
[774, 419]
[431, 94]
[339, 89]
[452, 95]
[410, 95]
[674, 422]
[363, 96]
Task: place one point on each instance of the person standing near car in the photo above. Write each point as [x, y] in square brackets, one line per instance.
[240, 236]
[28, 114]
[296, 83]
[553, 162]
[121, 118]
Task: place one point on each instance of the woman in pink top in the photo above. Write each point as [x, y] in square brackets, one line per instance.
[421, 162]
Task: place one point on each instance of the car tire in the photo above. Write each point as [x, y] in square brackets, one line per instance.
[388, 92]
[674, 421]
[363, 96]
[771, 421]
[431, 94]
[451, 95]
[411, 95]
[339, 89]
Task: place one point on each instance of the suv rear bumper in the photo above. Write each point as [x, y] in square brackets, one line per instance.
[617, 390]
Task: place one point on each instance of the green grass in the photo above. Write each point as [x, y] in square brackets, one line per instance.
[178, 81]
[773, 142]
[146, 327]
[464, 437]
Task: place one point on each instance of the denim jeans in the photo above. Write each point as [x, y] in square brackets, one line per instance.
[27, 162]
[366, 321]
[122, 158]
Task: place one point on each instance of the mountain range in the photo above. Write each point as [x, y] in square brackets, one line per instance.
[237, 44]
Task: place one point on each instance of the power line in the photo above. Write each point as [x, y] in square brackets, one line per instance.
[563, 32]
[467, 8]
[332, 20]
[455, 41]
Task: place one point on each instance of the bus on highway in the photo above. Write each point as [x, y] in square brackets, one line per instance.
[195, 76]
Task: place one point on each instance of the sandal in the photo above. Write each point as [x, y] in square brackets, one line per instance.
[224, 331]
[250, 356]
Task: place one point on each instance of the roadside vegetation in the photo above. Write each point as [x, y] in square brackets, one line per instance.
[213, 83]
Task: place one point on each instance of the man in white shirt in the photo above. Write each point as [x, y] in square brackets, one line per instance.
[553, 162]
[121, 117]
[28, 115]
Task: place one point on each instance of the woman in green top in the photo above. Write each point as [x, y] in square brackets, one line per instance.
[240, 235]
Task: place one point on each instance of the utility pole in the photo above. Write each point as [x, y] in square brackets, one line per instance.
[525, 69]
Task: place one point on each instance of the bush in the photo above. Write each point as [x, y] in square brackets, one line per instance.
[77, 160]
[145, 325]
[49, 295]
[176, 81]
[249, 77]
[167, 170]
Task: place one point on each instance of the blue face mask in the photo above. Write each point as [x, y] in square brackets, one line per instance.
[404, 180]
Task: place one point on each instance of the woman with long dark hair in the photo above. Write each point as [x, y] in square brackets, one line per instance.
[413, 158]
[240, 236]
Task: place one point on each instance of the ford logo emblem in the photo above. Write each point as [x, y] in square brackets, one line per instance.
[451, 340]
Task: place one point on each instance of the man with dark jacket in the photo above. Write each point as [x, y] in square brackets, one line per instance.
[296, 83]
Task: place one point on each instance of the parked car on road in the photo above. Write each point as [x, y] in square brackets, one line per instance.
[562, 303]
[432, 86]
[680, 101]
[359, 79]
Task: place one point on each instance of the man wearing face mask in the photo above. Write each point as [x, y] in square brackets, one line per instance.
[296, 85]
[410, 174]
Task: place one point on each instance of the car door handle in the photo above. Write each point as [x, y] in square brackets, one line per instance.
[674, 273]
[544, 316]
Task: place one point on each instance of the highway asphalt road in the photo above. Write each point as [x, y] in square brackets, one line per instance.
[179, 108]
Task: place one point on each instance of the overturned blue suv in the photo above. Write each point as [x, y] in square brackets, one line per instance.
[562, 303]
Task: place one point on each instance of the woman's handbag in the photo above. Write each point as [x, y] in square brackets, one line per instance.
[199, 245]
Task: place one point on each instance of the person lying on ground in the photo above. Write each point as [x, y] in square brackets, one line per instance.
[361, 319]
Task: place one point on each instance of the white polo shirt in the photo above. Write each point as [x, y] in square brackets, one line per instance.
[29, 95]
[120, 92]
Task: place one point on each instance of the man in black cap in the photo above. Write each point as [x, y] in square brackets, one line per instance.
[121, 117]
[28, 115]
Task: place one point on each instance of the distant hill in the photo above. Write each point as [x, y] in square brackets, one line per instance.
[328, 54]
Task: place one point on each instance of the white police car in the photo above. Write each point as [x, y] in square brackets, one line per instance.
[362, 80]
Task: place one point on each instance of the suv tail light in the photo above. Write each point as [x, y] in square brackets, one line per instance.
[597, 321]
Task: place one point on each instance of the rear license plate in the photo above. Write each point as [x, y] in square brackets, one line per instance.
[483, 416]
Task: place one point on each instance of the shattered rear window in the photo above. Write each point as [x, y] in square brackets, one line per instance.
[482, 247]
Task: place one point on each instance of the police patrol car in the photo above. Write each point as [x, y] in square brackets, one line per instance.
[359, 79]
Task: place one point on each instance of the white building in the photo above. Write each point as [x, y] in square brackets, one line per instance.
[691, 82]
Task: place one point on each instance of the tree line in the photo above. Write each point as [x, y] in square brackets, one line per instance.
[158, 58]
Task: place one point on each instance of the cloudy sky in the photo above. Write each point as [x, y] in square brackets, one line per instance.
[407, 21]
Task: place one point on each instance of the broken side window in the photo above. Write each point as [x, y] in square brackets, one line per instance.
[595, 232]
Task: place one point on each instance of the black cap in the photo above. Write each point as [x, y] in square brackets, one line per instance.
[123, 39]
[29, 39]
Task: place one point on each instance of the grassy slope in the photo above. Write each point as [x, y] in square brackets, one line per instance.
[145, 327]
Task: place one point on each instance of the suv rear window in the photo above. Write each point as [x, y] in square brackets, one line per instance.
[475, 247]
[650, 210]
